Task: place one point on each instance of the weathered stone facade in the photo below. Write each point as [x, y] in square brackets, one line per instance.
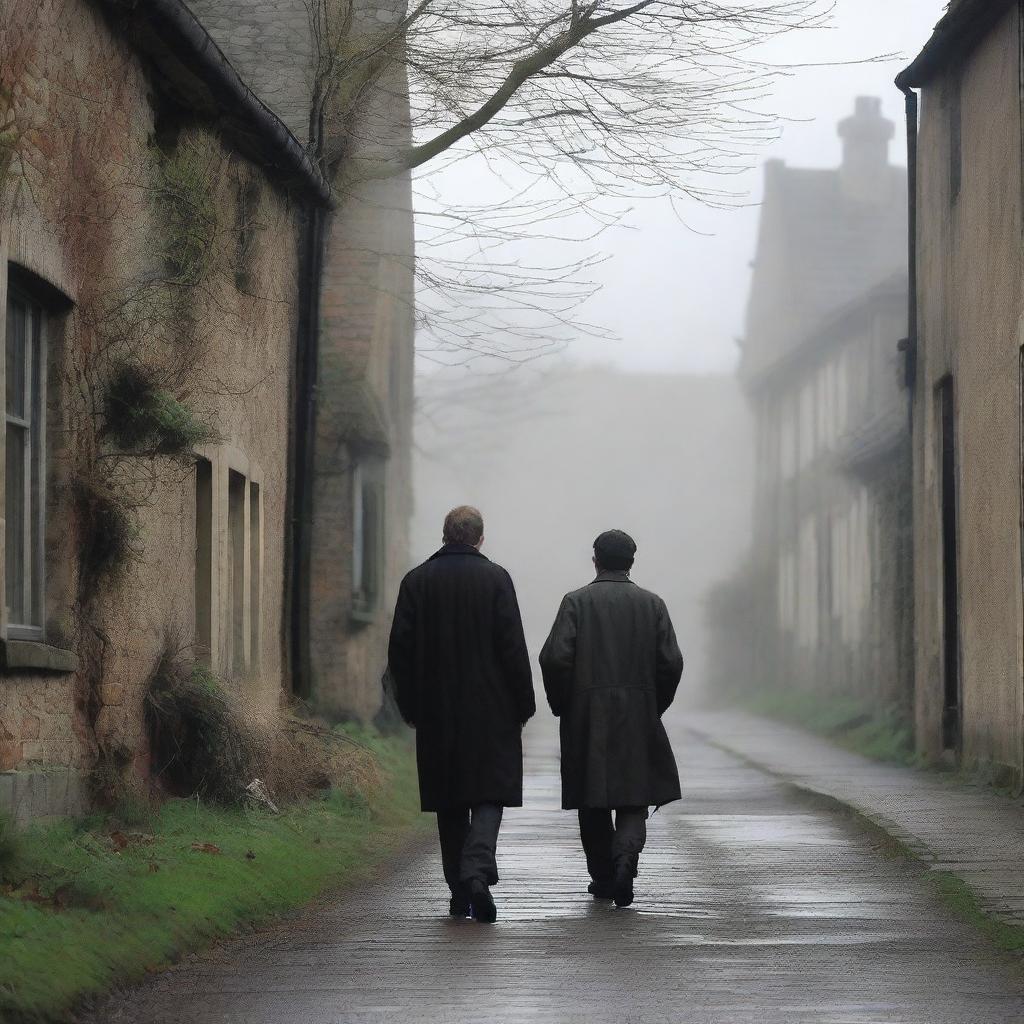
[137, 235]
[824, 603]
[361, 499]
[363, 496]
[967, 396]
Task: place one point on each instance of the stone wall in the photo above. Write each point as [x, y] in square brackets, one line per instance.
[97, 205]
[364, 413]
[970, 307]
[364, 403]
[364, 391]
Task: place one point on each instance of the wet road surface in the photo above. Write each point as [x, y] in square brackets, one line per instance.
[751, 906]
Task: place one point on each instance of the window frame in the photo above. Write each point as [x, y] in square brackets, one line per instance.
[368, 491]
[34, 544]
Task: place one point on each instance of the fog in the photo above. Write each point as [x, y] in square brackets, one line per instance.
[554, 459]
[636, 420]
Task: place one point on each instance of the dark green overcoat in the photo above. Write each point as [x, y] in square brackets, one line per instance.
[611, 667]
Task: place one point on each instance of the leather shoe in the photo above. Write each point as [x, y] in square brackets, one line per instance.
[623, 885]
[482, 902]
[458, 906]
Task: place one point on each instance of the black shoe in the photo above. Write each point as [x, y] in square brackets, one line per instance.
[623, 885]
[602, 890]
[482, 903]
[458, 906]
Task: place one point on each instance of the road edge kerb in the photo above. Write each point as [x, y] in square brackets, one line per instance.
[954, 891]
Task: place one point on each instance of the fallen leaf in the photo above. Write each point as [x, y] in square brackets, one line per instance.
[205, 848]
[119, 839]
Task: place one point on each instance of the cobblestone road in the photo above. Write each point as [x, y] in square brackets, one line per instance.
[752, 907]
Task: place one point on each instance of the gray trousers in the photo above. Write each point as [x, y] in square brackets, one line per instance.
[469, 841]
[607, 845]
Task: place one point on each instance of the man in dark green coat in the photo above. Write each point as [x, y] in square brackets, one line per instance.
[611, 667]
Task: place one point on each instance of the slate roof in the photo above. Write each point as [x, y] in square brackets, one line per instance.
[189, 67]
[964, 25]
[819, 247]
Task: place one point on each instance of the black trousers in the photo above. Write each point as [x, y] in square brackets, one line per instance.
[469, 841]
[606, 845]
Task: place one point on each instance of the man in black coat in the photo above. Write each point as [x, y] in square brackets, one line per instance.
[462, 679]
[611, 668]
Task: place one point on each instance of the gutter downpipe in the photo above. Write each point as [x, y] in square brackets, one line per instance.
[175, 20]
[311, 268]
[909, 344]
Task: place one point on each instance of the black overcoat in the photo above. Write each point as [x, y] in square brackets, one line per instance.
[461, 676]
[611, 668]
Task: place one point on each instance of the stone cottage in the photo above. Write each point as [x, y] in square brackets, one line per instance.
[175, 266]
[354, 499]
[824, 603]
[967, 361]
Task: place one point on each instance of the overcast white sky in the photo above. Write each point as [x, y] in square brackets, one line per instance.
[676, 298]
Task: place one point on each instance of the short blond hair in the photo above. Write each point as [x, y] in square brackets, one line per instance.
[463, 525]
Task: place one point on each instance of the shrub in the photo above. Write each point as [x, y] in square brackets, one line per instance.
[141, 417]
[309, 755]
[200, 743]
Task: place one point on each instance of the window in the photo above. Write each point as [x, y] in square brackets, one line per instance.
[807, 438]
[945, 407]
[807, 584]
[787, 590]
[228, 564]
[236, 573]
[822, 405]
[204, 561]
[25, 497]
[255, 575]
[367, 538]
[787, 437]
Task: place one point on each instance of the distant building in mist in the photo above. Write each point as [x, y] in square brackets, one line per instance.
[554, 457]
[968, 389]
[823, 604]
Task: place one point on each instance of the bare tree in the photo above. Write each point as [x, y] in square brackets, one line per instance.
[646, 94]
[588, 105]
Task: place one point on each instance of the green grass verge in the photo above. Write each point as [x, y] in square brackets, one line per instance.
[961, 898]
[86, 908]
[951, 890]
[883, 735]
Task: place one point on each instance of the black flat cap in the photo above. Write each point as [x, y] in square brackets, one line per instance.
[614, 550]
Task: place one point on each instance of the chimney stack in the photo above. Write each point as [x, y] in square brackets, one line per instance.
[866, 137]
